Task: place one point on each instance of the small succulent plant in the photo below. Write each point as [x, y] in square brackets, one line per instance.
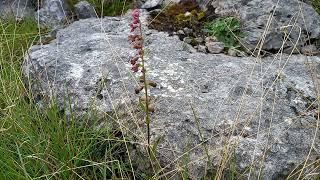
[138, 64]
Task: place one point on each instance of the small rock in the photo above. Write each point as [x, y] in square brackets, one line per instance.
[53, 13]
[291, 50]
[53, 32]
[188, 48]
[187, 14]
[309, 50]
[198, 39]
[152, 4]
[187, 31]
[232, 52]
[84, 10]
[215, 47]
[148, 32]
[202, 48]
[187, 40]
[242, 54]
[211, 39]
[180, 32]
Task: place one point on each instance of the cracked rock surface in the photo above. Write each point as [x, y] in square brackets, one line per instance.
[261, 112]
[277, 20]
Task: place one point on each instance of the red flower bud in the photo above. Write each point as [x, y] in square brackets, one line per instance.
[137, 45]
[136, 13]
[134, 60]
[134, 25]
[132, 37]
[135, 68]
[135, 21]
[137, 41]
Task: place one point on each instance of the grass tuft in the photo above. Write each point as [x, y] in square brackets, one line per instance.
[40, 144]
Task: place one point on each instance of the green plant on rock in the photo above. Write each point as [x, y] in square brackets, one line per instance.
[226, 30]
[178, 16]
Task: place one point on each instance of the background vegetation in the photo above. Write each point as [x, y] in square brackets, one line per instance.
[107, 7]
[41, 144]
[316, 5]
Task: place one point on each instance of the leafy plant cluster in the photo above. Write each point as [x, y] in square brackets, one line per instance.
[226, 30]
[107, 7]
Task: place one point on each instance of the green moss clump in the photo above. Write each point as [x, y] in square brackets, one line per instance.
[190, 18]
[178, 16]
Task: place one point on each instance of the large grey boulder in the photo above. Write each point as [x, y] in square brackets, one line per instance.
[53, 13]
[273, 21]
[260, 114]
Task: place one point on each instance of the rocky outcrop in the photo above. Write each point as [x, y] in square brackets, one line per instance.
[278, 25]
[260, 114]
[287, 25]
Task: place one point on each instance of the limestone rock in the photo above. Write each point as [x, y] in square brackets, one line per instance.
[294, 18]
[260, 112]
[215, 47]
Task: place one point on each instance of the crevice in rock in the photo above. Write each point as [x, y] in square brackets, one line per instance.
[294, 109]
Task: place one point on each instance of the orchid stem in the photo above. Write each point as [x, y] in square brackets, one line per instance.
[145, 92]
